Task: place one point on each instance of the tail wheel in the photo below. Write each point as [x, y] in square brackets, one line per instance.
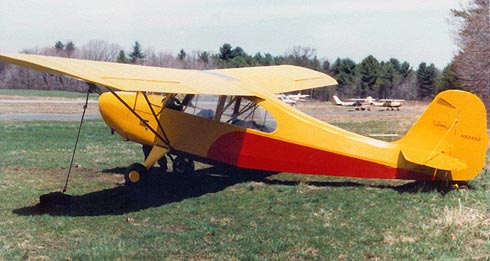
[135, 174]
[183, 165]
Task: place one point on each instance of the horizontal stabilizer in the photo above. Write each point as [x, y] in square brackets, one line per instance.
[437, 160]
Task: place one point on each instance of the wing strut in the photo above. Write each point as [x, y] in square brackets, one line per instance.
[164, 138]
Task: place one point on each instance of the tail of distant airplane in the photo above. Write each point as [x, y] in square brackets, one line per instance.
[450, 135]
[336, 100]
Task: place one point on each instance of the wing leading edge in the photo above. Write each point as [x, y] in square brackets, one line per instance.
[252, 81]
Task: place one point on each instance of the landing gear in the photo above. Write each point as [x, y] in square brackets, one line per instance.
[162, 161]
[135, 174]
[183, 165]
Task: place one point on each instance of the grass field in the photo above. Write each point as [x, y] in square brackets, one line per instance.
[218, 214]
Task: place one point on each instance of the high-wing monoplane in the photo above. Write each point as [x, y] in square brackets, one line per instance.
[357, 103]
[389, 104]
[292, 99]
[232, 117]
[298, 96]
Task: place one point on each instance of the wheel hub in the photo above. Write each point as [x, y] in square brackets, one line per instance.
[134, 176]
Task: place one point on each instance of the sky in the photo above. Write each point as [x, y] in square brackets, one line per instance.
[409, 30]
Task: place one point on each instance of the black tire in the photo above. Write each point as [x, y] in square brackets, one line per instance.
[136, 173]
[175, 104]
[183, 165]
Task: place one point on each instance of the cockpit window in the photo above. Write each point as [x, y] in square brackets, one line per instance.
[201, 105]
[235, 110]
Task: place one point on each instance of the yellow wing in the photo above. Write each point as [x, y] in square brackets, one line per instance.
[241, 81]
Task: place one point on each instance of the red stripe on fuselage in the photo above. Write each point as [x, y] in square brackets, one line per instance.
[248, 150]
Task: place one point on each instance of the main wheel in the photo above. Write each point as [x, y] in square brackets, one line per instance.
[135, 174]
[183, 165]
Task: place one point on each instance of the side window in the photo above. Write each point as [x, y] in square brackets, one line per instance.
[235, 110]
[246, 113]
[201, 105]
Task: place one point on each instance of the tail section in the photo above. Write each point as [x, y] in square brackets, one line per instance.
[450, 135]
[336, 100]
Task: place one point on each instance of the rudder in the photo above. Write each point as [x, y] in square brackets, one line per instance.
[450, 135]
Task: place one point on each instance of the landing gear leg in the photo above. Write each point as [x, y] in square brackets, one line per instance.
[162, 161]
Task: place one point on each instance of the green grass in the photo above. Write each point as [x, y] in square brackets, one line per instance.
[50, 144]
[368, 128]
[42, 93]
[217, 214]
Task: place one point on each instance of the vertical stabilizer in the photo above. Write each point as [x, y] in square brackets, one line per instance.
[450, 135]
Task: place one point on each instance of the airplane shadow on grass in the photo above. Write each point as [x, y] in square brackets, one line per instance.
[169, 188]
[160, 189]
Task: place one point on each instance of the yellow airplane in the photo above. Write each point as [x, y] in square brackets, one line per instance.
[232, 117]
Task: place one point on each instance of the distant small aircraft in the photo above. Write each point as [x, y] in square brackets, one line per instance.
[298, 96]
[232, 117]
[389, 104]
[284, 98]
[292, 99]
[358, 104]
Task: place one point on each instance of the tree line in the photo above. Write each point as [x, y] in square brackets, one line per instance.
[393, 78]
[370, 77]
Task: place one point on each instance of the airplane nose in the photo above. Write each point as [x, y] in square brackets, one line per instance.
[123, 120]
[114, 113]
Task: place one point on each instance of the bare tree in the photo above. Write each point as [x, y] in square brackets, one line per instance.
[100, 50]
[472, 63]
[303, 56]
[160, 59]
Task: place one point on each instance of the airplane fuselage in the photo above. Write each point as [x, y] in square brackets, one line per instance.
[298, 143]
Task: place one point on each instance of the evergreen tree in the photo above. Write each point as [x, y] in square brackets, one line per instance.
[233, 57]
[121, 58]
[426, 78]
[369, 72]
[59, 47]
[181, 56]
[263, 60]
[136, 56]
[447, 80]
[259, 59]
[237, 51]
[405, 70]
[203, 57]
[225, 52]
[326, 66]
[396, 65]
[386, 79]
[268, 59]
[69, 48]
[344, 71]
